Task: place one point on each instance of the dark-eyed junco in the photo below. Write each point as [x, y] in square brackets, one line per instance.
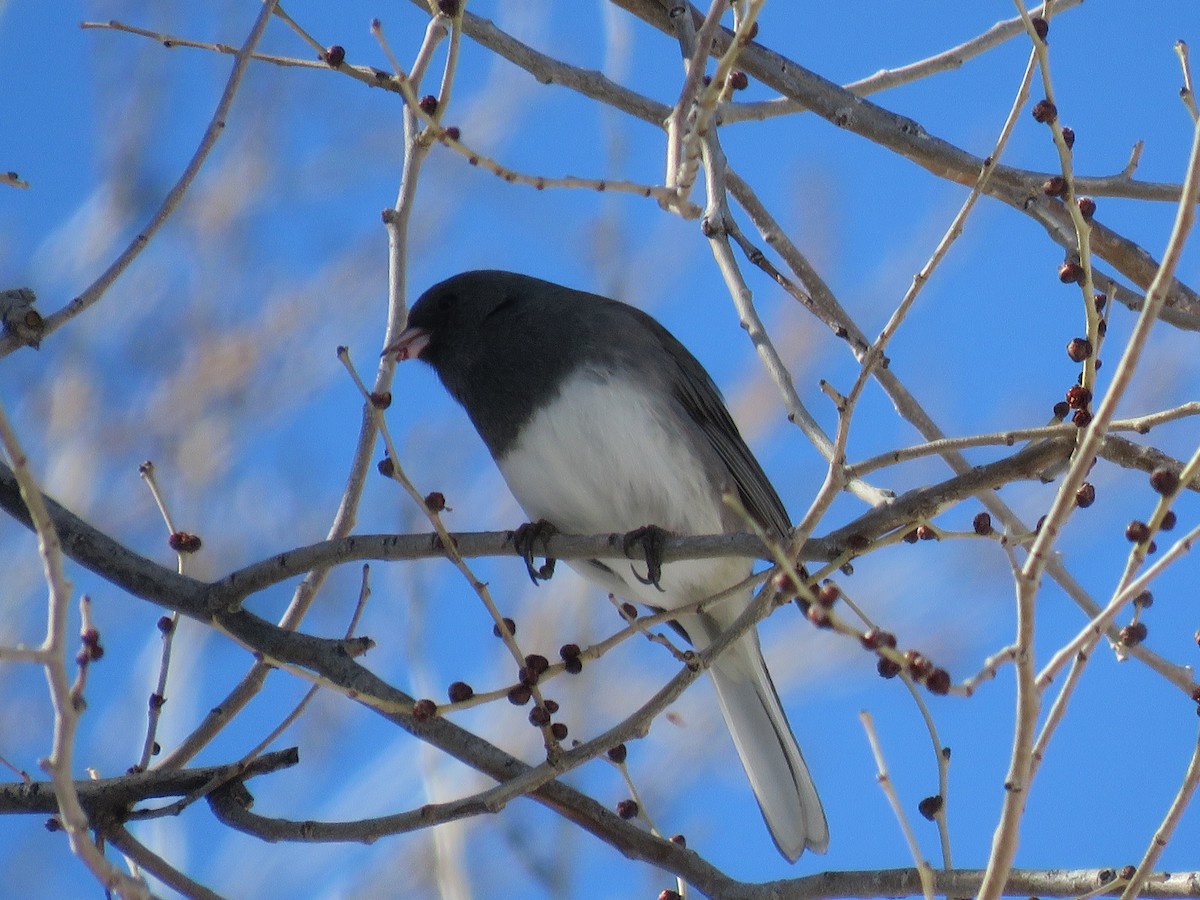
[602, 422]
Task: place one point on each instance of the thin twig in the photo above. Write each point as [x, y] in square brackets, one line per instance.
[479, 587]
[360, 464]
[885, 783]
[216, 126]
[52, 656]
[147, 859]
[1004, 846]
[1164, 832]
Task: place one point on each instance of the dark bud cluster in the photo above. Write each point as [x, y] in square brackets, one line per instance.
[936, 679]
[786, 585]
[876, 638]
[184, 542]
[519, 695]
[1040, 27]
[1054, 186]
[627, 809]
[509, 625]
[453, 133]
[818, 615]
[1086, 495]
[1079, 349]
[423, 710]
[1137, 532]
[1068, 137]
[435, 501]
[738, 80]
[931, 806]
[618, 753]
[918, 665]
[386, 467]
[428, 104]
[570, 657]
[460, 692]
[982, 523]
[1164, 481]
[334, 56]
[1078, 397]
[1044, 111]
[381, 399]
[1087, 206]
[90, 648]
[1133, 634]
[938, 682]
[1070, 272]
[827, 594]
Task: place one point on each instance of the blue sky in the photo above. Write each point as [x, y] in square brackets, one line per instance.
[214, 356]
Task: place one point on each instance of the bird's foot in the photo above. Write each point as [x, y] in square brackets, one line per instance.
[523, 540]
[652, 541]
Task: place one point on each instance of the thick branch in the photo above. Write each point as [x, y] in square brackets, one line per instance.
[111, 797]
[148, 580]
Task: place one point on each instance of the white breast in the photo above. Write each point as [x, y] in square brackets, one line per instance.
[605, 456]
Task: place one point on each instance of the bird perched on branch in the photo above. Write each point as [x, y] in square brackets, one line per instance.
[601, 421]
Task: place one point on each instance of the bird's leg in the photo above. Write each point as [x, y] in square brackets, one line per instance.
[523, 539]
[652, 540]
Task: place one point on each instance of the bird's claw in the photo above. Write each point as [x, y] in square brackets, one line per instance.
[652, 540]
[523, 540]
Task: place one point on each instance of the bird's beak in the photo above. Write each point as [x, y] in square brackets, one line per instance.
[409, 345]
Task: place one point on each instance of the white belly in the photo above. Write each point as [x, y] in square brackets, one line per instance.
[606, 457]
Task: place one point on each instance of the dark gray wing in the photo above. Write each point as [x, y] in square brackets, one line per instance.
[608, 331]
[695, 391]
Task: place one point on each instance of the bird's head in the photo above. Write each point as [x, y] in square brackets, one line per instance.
[454, 317]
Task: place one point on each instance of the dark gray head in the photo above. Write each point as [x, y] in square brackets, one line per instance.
[502, 343]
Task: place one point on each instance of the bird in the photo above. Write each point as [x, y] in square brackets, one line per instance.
[601, 421]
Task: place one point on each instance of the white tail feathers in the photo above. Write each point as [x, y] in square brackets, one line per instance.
[768, 749]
